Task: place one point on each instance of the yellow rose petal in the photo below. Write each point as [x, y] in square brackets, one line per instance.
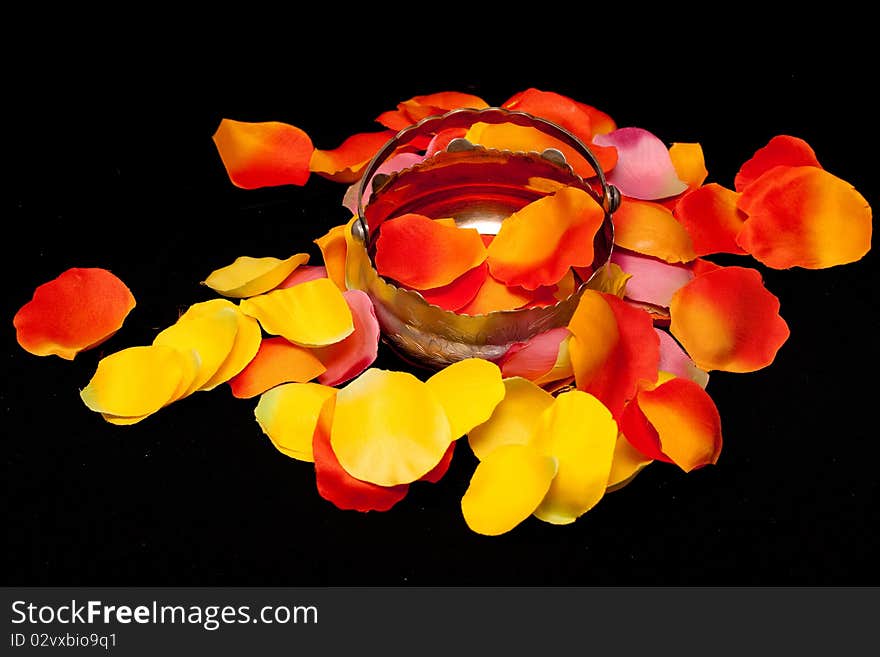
[135, 381]
[211, 336]
[625, 465]
[580, 433]
[469, 391]
[244, 347]
[311, 314]
[289, 413]
[506, 488]
[333, 249]
[389, 428]
[247, 276]
[514, 419]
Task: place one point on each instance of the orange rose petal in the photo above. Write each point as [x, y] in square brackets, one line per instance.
[554, 107]
[346, 359]
[337, 486]
[263, 154]
[389, 428]
[346, 163]
[686, 421]
[613, 348]
[277, 361]
[444, 253]
[651, 229]
[311, 314]
[601, 122]
[441, 140]
[506, 488]
[334, 249]
[76, 311]
[135, 381]
[506, 136]
[460, 292]
[539, 243]
[781, 150]
[727, 320]
[712, 219]
[689, 163]
[494, 296]
[247, 276]
[420, 107]
[804, 217]
[394, 120]
[288, 414]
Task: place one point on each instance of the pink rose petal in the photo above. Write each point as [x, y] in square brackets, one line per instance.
[348, 358]
[644, 168]
[303, 274]
[535, 358]
[674, 359]
[653, 281]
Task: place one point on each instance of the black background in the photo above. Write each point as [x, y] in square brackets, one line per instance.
[110, 164]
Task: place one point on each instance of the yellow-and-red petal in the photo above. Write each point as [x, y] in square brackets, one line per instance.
[263, 154]
[334, 249]
[288, 414]
[469, 390]
[537, 357]
[423, 254]
[247, 276]
[727, 320]
[538, 244]
[712, 218]
[781, 150]
[579, 432]
[78, 310]
[626, 463]
[613, 349]
[804, 217]
[689, 163]
[346, 162]
[311, 314]
[277, 361]
[555, 107]
[419, 107]
[651, 229]
[389, 428]
[346, 359]
[506, 488]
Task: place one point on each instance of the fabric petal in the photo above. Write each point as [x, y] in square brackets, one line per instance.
[644, 167]
[277, 361]
[601, 122]
[419, 107]
[536, 358]
[337, 486]
[77, 310]
[626, 463]
[506, 136]
[712, 219]
[651, 280]
[514, 420]
[346, 162]
[468, 390]
[346, 359]
[311, 314]
[444, 253]
[613, 349]
[210, 333]
[247, 276]
[674, 359]
[804, 217]
[610, 279]
[460, 292]
[781, 150]
[135, 381]
[389, 428]
[651, 229]
[244, 347]
[727, 320]
[288, 415]
[506, 488]
[539, 243]
[263, 154]
[304, 274]
[686, 421]
[689, 163]
[333, 250]
[441, 140]
[579, 432]
[494, 296]
[441, 468]
[394, 163]
[554, 107]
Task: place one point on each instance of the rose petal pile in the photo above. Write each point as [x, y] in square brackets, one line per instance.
[557, 421]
